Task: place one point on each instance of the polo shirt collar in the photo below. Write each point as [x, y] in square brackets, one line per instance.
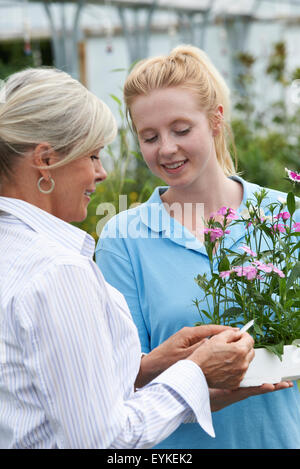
[48, 225]
[154, 215]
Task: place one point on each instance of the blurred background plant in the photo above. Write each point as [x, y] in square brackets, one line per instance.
[267, 140]
[14, 55]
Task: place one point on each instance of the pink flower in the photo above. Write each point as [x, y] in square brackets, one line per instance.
[228, 212]
[225, 273]
[248, 251]
[222, 211]
[279, 227]
[284, 215]
[249, 272]
[215, 233]
[296, 226]
[278, 271]
[264, 267]
[293, 175]
[268, 268]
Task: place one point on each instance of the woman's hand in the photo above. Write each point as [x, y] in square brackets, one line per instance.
[220, 398]
[178, 347]
[224, 358]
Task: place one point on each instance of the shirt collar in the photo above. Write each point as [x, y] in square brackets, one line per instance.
[154, 215]
[50, 226]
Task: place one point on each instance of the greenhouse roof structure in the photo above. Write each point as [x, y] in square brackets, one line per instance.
[260, 8]
[137, 18]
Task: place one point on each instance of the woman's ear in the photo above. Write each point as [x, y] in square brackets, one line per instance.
[217, 120]
[42, 156]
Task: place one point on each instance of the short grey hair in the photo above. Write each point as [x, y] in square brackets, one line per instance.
[48, 105]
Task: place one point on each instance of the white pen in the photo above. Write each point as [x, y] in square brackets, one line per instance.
[244, 328]
[247, 326]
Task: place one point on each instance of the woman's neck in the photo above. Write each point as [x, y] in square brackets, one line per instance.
[213, 193]
[191, 206]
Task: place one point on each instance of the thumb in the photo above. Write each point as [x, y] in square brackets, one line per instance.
[209, 330]
[230, 335]
[194, 347]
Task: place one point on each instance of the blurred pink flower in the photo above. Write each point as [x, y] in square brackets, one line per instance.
[222, 211]
[249, 272]
[268, 268]
[279, 227]
[293, 175]
[264, 267]
[248, 250]
[215, 233]
[228, 213]
[283, 215]
[225, 273]
[296, 226]
[278, 271]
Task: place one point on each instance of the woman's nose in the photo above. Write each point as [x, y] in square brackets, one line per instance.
[101, 174]
[167, 147]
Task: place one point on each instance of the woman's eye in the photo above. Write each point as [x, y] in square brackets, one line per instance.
[182, 132]
[150, 139]
[94, 157]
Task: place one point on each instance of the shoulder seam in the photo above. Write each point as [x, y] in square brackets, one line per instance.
[112, 252]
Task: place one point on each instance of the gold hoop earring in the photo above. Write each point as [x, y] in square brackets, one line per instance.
[43, 191]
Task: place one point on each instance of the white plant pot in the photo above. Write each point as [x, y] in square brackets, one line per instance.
[266, 367]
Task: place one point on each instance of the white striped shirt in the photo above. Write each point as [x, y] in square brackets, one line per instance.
[69, 350]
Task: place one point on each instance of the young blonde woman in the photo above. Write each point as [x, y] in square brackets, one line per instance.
[180, 110]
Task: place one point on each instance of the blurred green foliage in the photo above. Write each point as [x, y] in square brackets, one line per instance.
[267, 140]
[13, 57]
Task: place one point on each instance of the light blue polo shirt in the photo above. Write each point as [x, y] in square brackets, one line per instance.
[153, 260]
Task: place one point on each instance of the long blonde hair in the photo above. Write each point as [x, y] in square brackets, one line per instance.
[190, 68]
[48, 105]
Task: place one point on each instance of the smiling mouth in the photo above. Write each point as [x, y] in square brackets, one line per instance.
[174, 165]
[88, 193]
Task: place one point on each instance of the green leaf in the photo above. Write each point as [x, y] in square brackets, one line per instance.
[295, 273]
[206, 313]
[201, 281]
[129, 181]
[233, 311]
[257, 329]
[116, 99]
[297, 246]
[277, 349]
[238, 298]
[224, 264]
[137, 155]
[291, 204]
[119, 70]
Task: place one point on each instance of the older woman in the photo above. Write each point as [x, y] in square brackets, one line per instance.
[69, 351]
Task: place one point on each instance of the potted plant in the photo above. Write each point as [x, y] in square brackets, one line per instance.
[259, 280]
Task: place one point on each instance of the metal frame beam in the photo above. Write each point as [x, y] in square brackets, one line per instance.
[65, 44]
